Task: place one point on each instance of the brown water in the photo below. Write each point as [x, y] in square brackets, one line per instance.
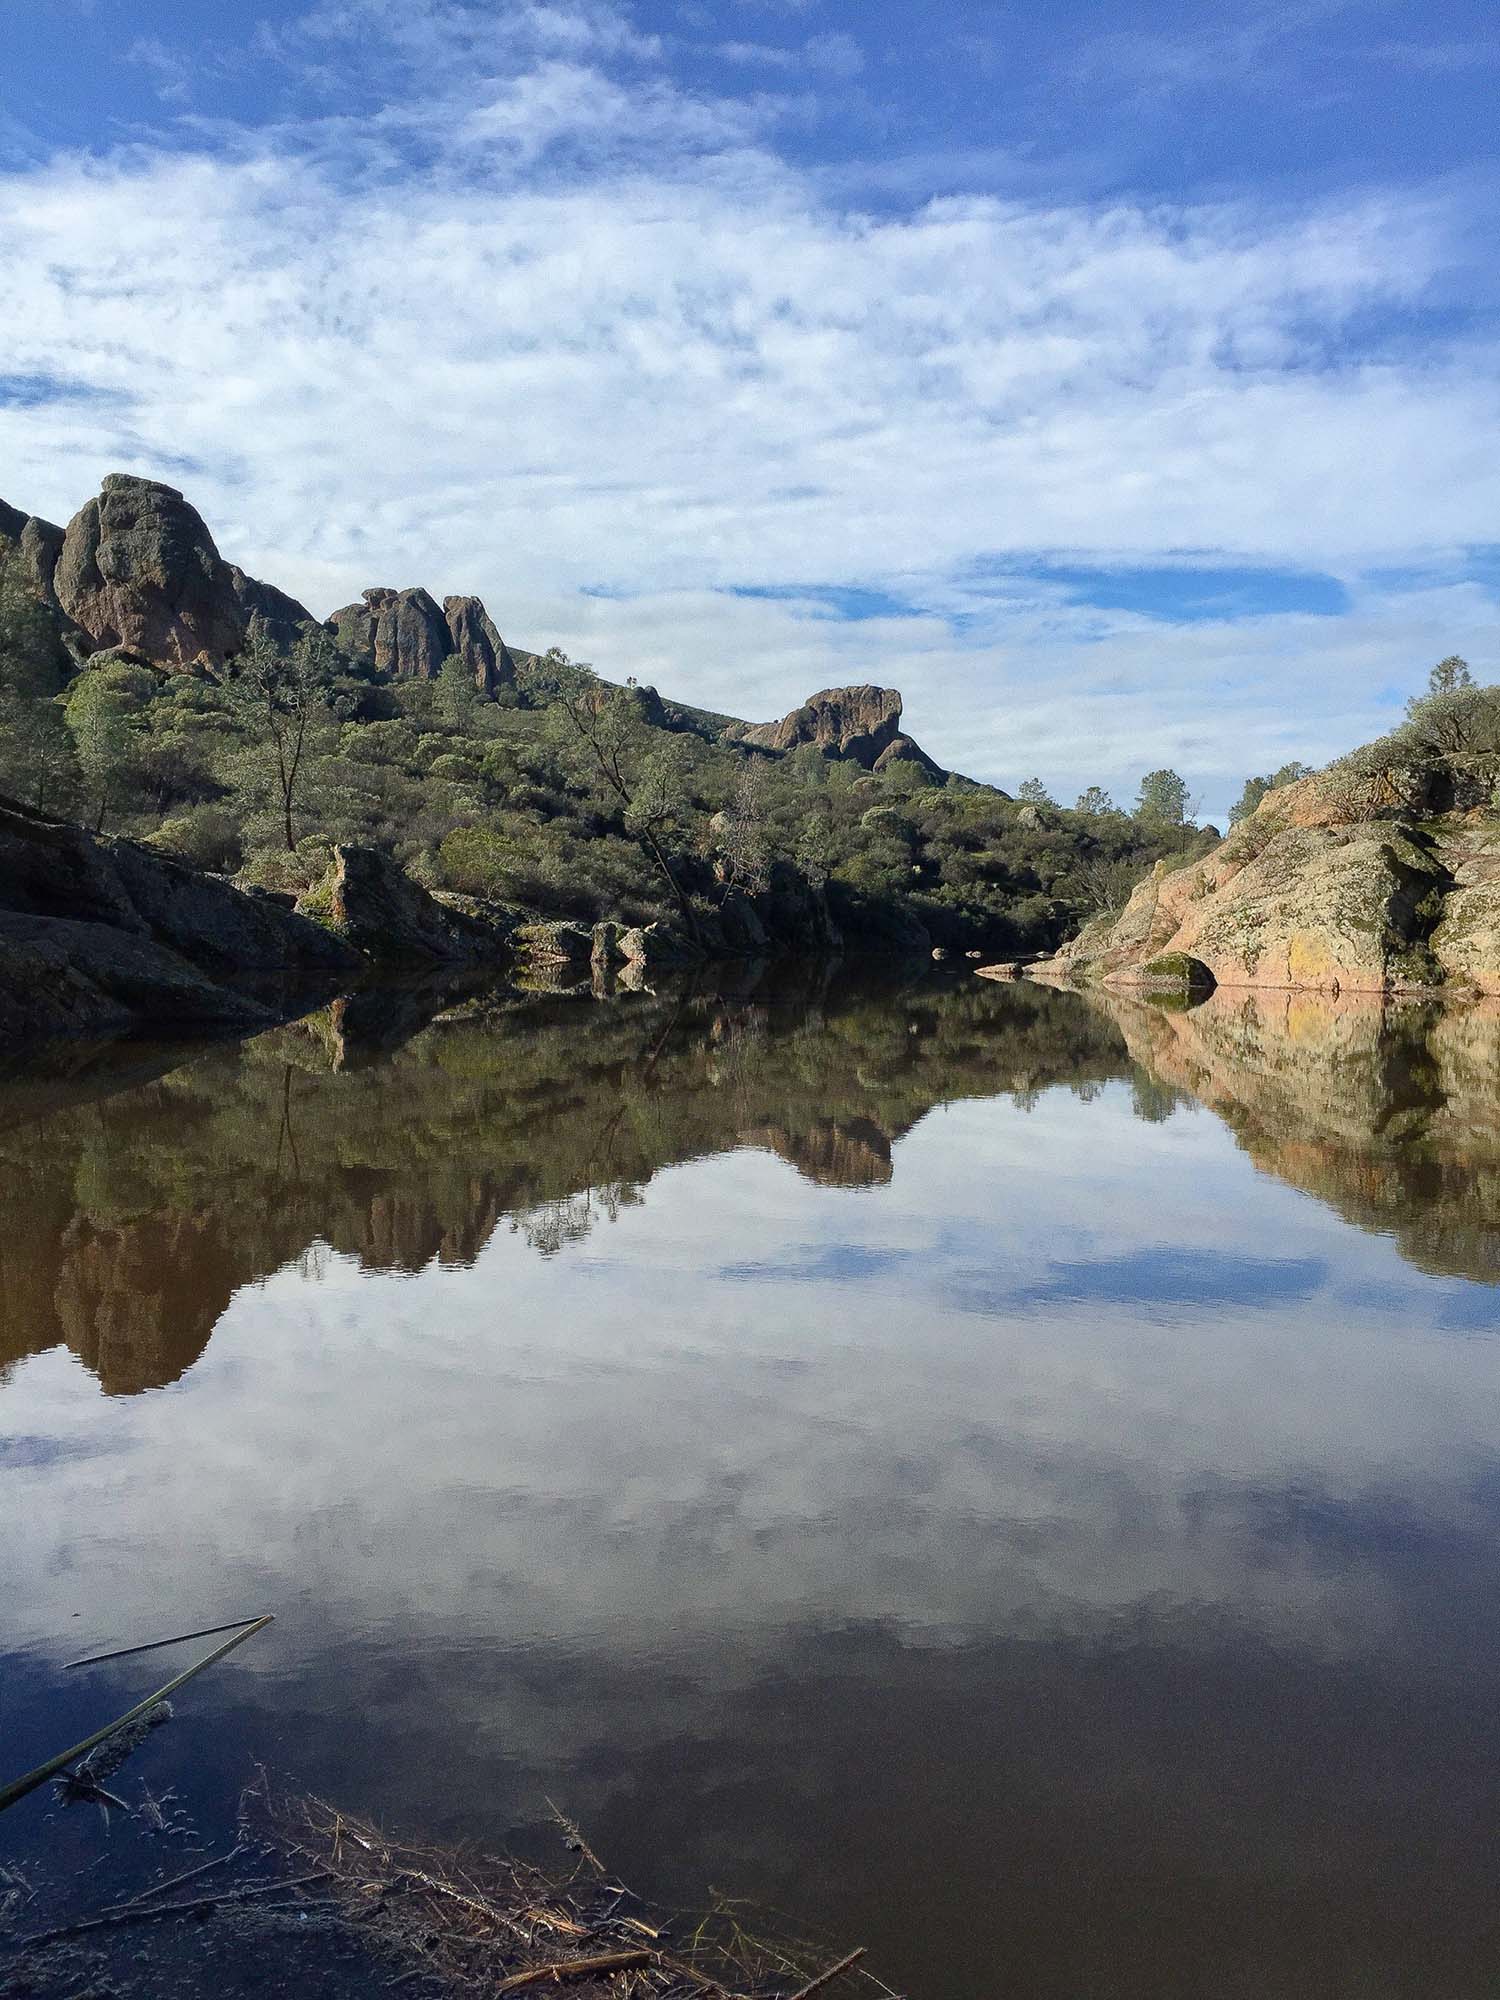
[1011, 1480]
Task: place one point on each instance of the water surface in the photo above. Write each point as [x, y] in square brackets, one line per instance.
[1009, 1478]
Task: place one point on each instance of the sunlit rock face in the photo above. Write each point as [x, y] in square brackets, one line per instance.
[399, 632]
[1311, 893]
[476, 639]
[139, 569]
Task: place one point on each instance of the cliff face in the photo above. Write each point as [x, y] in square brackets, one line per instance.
[1311, 894]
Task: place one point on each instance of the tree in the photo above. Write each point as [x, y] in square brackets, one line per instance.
[1034, 793]
[98, 720]
[1255, 789]
[646, 782]
[1448, 677]
[1163, 799]
[1095, 800]
[742, 839]
[458, 694]
[280, 696]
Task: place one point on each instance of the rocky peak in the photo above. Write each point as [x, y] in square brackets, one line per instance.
[862, 724]
[136, 569]
[477, 642]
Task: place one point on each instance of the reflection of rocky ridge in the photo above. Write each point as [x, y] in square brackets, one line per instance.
[132, 1226]
[1390, 1113]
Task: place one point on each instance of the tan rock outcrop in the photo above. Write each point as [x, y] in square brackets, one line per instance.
[1305, 894]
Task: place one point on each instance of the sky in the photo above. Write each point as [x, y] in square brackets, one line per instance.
[1119, 383]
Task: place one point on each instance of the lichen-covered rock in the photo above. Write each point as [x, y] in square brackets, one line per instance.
[266, 610]
[368, 899]
[564, 944]
[652, 945]
[1176, 972]
[399, 632]
[37, 545]
[138, 568]
[60, 979]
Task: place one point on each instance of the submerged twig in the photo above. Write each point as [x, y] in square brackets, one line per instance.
[18, 1788]
[575, 1968]
[827, 1978]
[155, 1645]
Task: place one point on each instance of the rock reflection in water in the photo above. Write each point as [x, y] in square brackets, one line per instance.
[1387, 1110]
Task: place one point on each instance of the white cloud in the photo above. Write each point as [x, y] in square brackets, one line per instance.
[572, 327]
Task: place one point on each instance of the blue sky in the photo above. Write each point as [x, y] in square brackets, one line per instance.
[1118, 382]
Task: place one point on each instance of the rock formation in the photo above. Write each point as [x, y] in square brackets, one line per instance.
[477, 642]
[369, 900]
[102, 936]
[403, 633]
[861, 724]
[137, 569]
[1311, 893]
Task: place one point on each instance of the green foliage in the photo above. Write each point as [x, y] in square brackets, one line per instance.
[1095, 801]
[1163, 799]
[1034, 793]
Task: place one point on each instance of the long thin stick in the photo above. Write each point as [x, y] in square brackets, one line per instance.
[175, 1881]
[19, 1787]
[148, 1914]
[827, 1978]
[155, 1645]
[575, 1968]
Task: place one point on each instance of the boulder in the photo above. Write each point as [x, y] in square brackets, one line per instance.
[266, 610]
[59, 978]
[368, 899]
[37, 545]
[558, 944]
[902, 750]
[653, 945]
[104, 936]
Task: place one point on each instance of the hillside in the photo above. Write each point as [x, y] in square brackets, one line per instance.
[154, 690]
[1380, 874]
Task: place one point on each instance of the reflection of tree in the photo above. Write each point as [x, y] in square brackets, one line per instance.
[133, 1217]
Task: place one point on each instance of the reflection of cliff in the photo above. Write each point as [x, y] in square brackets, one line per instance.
[1389, 1112]
[133, 1217]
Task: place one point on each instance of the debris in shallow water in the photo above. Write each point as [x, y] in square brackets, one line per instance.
[86, 1779]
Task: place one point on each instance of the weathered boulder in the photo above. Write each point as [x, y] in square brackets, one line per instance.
[902, 750]
[854, 722]
[61, 979]
[653, 945]
[368, 899]
[399, 632]
[476, 640]
[265, 609]
[1309, 893]
[138, 568]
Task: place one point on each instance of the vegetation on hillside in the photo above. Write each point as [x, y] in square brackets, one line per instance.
[564, 794]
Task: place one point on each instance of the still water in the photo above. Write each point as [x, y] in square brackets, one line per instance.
[1008, 1478]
